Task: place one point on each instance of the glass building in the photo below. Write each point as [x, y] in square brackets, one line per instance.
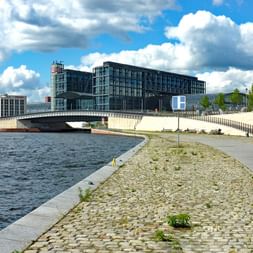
[125, 87]
[115, 86]
[38, 107]
[70, 89]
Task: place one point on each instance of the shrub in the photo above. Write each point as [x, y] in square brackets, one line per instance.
[181, 220]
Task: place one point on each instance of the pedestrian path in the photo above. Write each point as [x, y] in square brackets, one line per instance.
[125, 212]
[241, 148]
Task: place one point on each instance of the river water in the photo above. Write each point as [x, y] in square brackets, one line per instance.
[34, 167]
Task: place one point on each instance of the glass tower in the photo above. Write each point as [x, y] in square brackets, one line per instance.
[70, 89]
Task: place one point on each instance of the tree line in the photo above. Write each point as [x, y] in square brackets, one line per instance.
[235, 98]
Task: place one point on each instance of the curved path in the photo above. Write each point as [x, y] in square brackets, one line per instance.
[241, 148]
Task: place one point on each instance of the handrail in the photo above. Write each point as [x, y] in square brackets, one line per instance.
[248, 128]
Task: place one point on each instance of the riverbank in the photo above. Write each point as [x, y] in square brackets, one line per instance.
[124, 213]
[35, 174]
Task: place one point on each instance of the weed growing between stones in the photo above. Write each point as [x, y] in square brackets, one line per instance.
[85, 196]
[155, 159]
[181, 220]
[77, 209]
[177, 167]
[160, 236]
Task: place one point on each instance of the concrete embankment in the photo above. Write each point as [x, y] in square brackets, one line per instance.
[125, 211]
[24, 231]
[149, 123]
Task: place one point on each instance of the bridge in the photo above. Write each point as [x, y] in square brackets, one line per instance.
[147, 121]
[57, 120]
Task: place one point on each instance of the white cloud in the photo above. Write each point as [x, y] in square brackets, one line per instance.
[214, 41]
[201, 41]
[22, 81]
[46, 25]
[218, 2]
[165, 57]
[227, 81]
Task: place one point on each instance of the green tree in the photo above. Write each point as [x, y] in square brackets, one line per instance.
[250, 99]
[204, 102]
[236, 97]
[220, 101]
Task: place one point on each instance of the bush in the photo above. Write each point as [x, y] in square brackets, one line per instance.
[179, 221]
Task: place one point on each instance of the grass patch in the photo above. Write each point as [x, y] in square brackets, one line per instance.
[181, 220]
[85, 196]
[161, 237]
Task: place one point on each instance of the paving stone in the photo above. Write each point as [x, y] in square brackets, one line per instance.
[160, 180]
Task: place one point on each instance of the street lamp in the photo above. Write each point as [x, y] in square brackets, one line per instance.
[246, 97]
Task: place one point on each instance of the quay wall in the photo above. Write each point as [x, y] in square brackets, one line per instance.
[20, 234]
[149, 123]
[122, 123]
[8, 123]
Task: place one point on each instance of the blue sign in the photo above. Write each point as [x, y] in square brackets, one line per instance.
[178, 103]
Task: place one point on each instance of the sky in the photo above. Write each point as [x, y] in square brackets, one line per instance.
[210, 39]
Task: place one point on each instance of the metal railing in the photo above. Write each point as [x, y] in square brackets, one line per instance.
[247, 128]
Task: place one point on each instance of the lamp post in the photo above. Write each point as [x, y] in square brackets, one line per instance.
[246, 99]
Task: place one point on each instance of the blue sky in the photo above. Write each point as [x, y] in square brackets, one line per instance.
[211, 39]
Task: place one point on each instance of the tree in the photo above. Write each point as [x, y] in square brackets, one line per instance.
[204, 102]
[250, 99]
[236, 97]
[220, 101]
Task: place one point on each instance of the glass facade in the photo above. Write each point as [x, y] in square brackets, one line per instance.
[116, 86]
[38, 107]
[65, 81]
[125, 87]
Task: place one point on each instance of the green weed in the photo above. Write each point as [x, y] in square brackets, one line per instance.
[161, 237]
[85, 196]
[181, 220]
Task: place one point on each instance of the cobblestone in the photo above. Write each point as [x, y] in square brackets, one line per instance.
[161, 179]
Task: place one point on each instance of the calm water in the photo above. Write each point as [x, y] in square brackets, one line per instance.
[35, 167]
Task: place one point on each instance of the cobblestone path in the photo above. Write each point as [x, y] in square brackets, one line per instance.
[126, 211]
